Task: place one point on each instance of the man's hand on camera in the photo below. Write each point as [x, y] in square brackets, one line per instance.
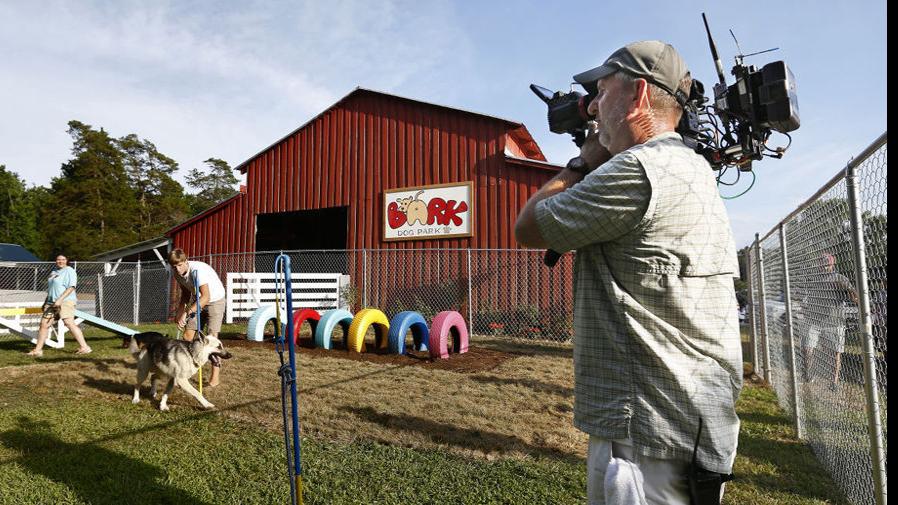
[593, 152]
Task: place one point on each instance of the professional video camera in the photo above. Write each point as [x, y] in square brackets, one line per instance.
[732, 131]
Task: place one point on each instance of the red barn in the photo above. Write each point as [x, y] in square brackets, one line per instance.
[334, 184]
[331, 174]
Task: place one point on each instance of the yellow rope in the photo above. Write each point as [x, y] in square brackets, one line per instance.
[277, 310]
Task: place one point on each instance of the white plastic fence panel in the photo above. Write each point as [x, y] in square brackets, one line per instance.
[247, 291]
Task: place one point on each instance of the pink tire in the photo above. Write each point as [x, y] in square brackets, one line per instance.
[445, 324]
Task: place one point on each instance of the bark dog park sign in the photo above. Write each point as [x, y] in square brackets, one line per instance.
[428, 212]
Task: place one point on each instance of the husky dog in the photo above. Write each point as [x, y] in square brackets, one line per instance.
[174, 361]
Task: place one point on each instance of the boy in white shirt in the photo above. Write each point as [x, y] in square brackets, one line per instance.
[212, 298]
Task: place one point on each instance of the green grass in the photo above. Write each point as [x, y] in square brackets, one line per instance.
[107, 453]
[69, 445]
[772, 466]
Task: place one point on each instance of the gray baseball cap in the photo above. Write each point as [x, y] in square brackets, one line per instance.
[653, 60]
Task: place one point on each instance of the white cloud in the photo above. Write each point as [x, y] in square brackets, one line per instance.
[198, 81]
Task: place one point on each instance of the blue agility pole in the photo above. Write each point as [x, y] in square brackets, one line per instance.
[199, 326]
[287, 372]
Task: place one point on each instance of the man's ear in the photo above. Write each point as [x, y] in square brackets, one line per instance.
[642, 95]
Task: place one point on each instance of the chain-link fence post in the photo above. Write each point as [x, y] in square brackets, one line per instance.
[790, 333]
[470, 298]
[751, 311]
[100, 295]
[877, 452]
[364, 278]
[168, 282]
[137, 295]
[762, 294]
[134, 280]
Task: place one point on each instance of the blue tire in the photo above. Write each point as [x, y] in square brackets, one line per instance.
[401, 324]
[255, 328]
[329, 320]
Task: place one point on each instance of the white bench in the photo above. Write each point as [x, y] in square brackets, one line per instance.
[246, 292]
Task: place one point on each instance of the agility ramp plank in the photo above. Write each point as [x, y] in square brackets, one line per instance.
[103, 324]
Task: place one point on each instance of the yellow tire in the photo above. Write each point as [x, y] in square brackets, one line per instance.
[360, 323]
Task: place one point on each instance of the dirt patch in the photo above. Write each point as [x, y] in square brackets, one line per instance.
[476, 360]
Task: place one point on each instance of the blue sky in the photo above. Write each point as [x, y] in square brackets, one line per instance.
[225, 79]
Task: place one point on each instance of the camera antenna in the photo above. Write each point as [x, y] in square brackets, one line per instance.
[741, 56]
[721, 76]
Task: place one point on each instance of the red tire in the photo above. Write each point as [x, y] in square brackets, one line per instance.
[302, 315]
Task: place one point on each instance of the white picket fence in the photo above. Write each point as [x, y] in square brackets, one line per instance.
[247, 291]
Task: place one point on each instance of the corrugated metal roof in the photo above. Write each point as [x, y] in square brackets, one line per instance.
[146, 245]
[359, 89]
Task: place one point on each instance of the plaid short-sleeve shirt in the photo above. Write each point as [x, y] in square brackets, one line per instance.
[657, 342]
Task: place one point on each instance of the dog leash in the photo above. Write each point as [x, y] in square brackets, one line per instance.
[287, 373]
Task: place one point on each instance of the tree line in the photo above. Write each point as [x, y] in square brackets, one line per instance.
[111, 193]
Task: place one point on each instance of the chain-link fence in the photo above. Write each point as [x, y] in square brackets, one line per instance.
[500, 292]
[120, 292]
[819, 327]
[507, 293]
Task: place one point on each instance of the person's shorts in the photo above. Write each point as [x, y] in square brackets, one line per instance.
[213, 315]
[833, 338]
[66, 310]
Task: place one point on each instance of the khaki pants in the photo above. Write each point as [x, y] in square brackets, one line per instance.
[215, 313]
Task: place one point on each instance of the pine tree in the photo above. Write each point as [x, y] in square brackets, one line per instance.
[92, 206]
[18, 213]
[161, 201]
[213, 187]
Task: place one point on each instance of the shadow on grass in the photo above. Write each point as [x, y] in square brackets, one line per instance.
[15, 344]
[97, 475]
[441, 433]
[789, 459]
[109, 386]
[538, 386]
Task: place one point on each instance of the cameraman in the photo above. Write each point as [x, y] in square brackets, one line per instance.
[657, 344]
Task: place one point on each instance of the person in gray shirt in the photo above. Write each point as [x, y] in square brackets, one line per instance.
[824, 310]
[657, 351]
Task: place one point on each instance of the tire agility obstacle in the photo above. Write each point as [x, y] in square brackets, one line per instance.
[401, 324]
[360, 324]
[255, 328]
[329, 320]
[302, 315]
[446, 323]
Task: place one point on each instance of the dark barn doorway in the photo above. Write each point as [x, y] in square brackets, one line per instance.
[304, 230]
